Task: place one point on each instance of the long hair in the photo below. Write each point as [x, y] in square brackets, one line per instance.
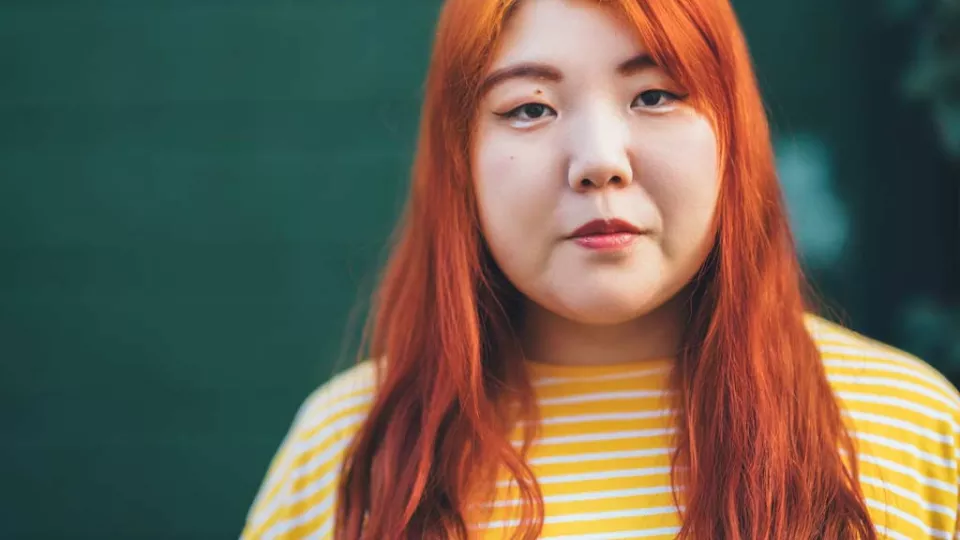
[765, 453]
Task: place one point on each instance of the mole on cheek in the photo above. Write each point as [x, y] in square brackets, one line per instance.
[538, 92]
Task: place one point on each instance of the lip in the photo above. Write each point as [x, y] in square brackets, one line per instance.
[606, 234]
[599, 227]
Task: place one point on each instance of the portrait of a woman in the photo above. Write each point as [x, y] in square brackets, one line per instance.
[593, 323]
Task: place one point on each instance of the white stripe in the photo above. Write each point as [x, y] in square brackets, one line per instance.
[889, 368]
[317, 419]
[896, 467]
[357, 378]
[286, 525]
[597, 437]
[900, 424]
[860, 349]
[328, 431]
[600, 456]
[893, 383]
[584, 477]
[591, 516]
[826, 336]
[908, 448]
[298, 448]
[322, 532]
[919, 370]
[319, 460]
[298, 496]
[302, 470]
[601, 396]
[314, 487]
[936, 533]
[907, 494]
[885, 532]
[287, 450]
[330, 396]
[602, 417]
[586, 496]
[902, 403]
[548, 381]
[844, 335]
[643, 533]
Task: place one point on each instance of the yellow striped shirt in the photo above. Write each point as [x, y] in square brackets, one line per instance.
[603, 456]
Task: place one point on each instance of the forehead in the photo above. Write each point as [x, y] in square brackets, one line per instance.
[566, 32]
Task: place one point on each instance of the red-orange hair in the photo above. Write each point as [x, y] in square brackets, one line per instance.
[760, 430]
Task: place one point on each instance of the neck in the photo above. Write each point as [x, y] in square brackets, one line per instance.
[551, 339]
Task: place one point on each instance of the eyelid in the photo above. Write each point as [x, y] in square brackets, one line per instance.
[673, 97]
[513, 111]
[512, 117]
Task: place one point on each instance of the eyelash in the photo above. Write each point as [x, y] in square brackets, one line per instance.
[514, 114]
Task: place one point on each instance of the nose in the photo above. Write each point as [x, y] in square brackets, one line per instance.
[599, 153]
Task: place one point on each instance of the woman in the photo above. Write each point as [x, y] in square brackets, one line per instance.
[592, 325]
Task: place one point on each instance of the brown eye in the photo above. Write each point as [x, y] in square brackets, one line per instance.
[529, 111]
[534, 110]
[655, 98]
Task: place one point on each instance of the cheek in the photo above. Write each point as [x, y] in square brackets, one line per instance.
[514, 188]
[494, 176]
[516, 199]
[684, 181]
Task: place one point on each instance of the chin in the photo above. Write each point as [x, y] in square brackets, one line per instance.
[604, 307]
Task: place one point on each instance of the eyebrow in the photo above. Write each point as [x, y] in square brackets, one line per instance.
[535, 70]
[639, 62]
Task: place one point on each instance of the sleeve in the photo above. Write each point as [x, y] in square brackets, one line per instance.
[295, 499]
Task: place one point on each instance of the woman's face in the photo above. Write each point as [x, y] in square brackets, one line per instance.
[577, 125]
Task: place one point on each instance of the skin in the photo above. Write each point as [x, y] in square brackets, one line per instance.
[589, 135]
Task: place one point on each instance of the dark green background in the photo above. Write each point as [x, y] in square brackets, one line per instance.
[195, 193]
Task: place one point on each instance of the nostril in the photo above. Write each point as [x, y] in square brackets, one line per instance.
[585, 182]
[616, 180]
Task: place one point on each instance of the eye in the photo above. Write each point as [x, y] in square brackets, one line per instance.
[655, 98]
[529, 112]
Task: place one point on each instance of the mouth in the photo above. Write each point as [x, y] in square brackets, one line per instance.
[606, 234]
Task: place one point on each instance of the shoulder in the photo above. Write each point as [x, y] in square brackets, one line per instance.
[904, 418]
[855, 362]
[297, 495]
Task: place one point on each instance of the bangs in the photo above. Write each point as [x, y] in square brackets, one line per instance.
[675, 34]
